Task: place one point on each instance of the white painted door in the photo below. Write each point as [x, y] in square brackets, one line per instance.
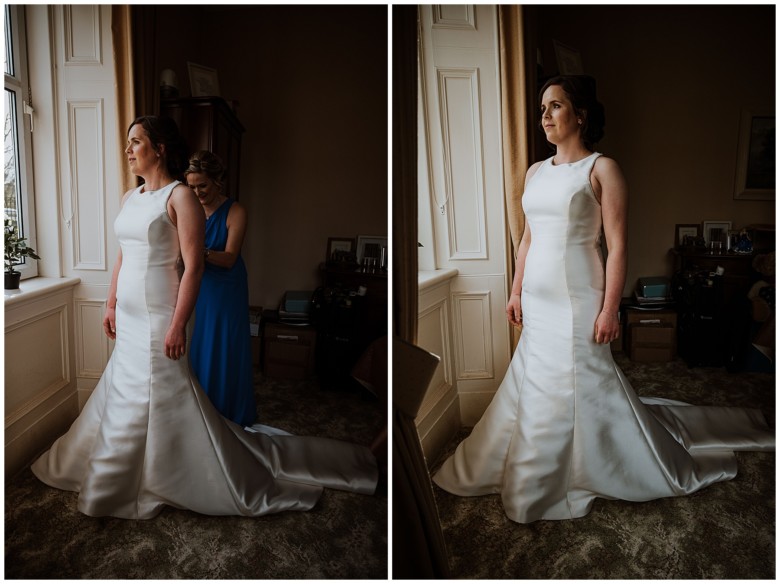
[460, 88]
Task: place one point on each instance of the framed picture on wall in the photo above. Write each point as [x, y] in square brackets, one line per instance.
[755, 176]
[203, 80]
[569, 60]
[716, 231]
[685, 230]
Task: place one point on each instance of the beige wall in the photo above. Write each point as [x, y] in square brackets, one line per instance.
[673, 80]
[311, 83]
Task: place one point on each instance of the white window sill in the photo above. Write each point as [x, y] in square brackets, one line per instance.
[39, 287]
[430, 278]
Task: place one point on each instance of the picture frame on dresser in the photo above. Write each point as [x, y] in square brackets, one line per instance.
[685, 230]
[755, 173]
[715, 231]
[372, 243]
[339, 247]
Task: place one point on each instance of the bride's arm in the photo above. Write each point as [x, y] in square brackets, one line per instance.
[514, 310]
[613, 191]
[109, 318]
[188, 216]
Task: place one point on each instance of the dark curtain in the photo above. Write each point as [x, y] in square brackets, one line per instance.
[144, 37]
[418, 543]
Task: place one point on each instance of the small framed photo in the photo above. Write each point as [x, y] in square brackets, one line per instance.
[203, 80]
[684, 232]
[755, 176]
[372, 246]
[716, 231]
[339, 248]
[569, 60]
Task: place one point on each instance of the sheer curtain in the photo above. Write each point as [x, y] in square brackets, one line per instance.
[514, 129]
[122, 38]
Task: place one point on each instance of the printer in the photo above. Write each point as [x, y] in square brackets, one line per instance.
[295, 307]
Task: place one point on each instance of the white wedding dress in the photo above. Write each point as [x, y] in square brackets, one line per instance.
[148, 436]
[565, 425]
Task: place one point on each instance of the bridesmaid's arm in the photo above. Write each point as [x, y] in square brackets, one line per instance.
[611, 188]
[187, 215]
[236, 228]
[109, 319]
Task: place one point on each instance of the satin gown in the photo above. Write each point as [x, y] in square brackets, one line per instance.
[148, 436]
[565, 426]
[221, 349]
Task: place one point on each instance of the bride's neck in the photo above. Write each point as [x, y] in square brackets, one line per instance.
[570, 153]
[156, 181]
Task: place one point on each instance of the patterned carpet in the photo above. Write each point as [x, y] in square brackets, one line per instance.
[344, 536]
[726, 531]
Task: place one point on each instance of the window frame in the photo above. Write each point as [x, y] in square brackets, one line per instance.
[18, 83]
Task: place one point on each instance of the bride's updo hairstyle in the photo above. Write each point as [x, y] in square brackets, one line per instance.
[209, 164]
[581, 90]
[163, 131]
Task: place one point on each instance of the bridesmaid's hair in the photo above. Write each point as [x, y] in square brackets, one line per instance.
[164, 131]
[209, 164]
[581, 90]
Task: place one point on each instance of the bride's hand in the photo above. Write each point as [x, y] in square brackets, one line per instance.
[175, 343]
[514, 310]
[607, 327]
[109, 323]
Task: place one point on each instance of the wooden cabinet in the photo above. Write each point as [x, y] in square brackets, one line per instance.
[289, 350]
[350, 312]
[737, 269]
[209, 123]
[710, 305]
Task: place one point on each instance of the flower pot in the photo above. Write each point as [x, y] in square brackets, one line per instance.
[12, 280]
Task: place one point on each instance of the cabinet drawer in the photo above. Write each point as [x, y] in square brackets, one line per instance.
[289, 352]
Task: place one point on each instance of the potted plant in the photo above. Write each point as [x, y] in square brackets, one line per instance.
[16, 249]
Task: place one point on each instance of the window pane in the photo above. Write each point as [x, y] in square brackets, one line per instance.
[12, 193]
[8, 57]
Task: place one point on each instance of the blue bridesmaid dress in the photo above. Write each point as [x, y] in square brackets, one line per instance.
[220, 352]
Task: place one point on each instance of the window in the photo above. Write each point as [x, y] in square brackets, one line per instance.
[18, 198]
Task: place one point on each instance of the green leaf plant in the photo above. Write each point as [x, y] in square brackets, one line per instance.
[16, 248]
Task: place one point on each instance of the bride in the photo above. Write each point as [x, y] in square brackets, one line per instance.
[565, 425]
[148, 436]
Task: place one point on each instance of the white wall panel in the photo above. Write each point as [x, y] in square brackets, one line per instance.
[87, 144]
[473, 334]
[40, 396]
[433, 335]
[82, 34]
[439, 415]
[459, 109]
[92, 344]
[36, 357]
[454, 16]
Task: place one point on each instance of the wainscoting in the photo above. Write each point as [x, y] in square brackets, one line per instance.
[439, 416]
[40, 385]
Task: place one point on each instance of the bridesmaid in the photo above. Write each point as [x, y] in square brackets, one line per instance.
[220, 352]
